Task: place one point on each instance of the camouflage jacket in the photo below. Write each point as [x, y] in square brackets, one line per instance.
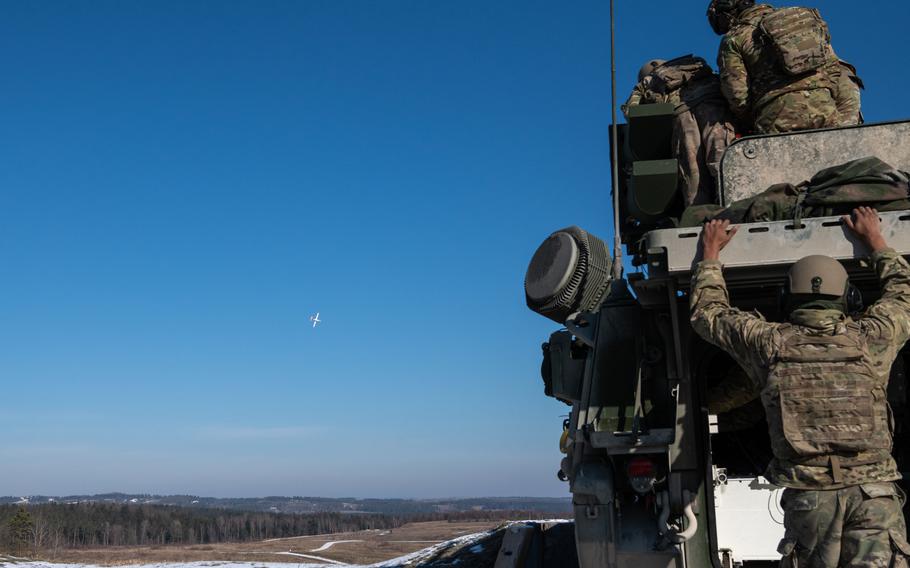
[750, 75]
[755, 344]
[643, 94]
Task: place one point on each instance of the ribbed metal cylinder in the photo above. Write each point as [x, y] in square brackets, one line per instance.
[570, 272]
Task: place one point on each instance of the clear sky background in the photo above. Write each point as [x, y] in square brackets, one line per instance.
[183, 184]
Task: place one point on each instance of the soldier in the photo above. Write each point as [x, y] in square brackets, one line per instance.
[703, 128]
[848, 96]
[822, 377]
[778, 70]
[642, 93]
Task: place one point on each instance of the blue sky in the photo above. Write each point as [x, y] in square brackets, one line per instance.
[185, 183]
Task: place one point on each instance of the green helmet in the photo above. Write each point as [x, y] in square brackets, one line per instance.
[648, 67]
[721, 13]
[818, 275]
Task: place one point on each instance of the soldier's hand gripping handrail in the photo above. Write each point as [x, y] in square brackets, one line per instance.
[866, 224]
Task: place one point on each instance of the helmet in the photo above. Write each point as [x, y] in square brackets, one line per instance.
[722, 12]
[818, 275]
[648, 67]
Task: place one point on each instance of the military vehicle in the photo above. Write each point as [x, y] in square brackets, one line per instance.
[658, 480]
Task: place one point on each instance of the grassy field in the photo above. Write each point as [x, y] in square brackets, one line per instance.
[362, 547]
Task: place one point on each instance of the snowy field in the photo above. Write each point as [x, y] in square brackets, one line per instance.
[394, 563]
[474, 542]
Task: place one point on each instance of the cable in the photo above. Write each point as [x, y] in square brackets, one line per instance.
[780, 511]
[617, 240]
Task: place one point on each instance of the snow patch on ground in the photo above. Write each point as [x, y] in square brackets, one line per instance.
[310, 557]
[332, 543]
[431, 551]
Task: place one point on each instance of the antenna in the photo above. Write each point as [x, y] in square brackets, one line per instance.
[614, 144]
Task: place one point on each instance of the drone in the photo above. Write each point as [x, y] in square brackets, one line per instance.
[315, 319]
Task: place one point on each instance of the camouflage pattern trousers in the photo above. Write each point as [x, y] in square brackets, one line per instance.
[798, 110]
[852, 527]
[700, 136]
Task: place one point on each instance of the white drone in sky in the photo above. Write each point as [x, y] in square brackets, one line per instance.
[315, 319]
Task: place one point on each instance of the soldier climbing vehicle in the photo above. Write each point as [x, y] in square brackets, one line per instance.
[662, 473]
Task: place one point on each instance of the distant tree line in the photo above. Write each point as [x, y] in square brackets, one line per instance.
[299, 504]
[48, 528]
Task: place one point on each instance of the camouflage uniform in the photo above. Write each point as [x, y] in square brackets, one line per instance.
[643, 94]
[735, 402]
[761, 94]
[861, 525]
[848, 96]
[734, 391]
[703, 128]
[841, 507]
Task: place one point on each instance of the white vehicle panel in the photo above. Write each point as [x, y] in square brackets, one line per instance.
[750, 520]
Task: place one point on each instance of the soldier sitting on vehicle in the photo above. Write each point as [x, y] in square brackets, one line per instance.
[778, 69]
[848, 97]
[823, 377]
[703, 127]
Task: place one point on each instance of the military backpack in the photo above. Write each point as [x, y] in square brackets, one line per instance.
[675, 73]
[824, 404]
[799, 38]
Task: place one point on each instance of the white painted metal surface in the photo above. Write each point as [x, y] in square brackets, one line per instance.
[750, 521]
[752, 165]
[775, 243]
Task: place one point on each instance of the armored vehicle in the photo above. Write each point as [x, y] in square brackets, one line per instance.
[658, 477]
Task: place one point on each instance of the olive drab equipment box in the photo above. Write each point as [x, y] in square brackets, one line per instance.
[652, 187]
[800, 39]
[563, 367]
